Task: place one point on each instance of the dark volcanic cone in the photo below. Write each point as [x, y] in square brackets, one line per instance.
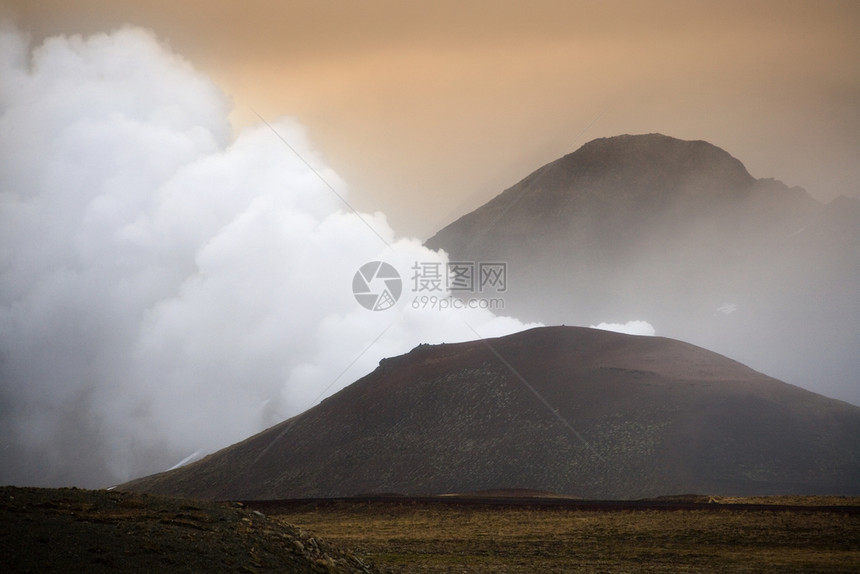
[563, 409]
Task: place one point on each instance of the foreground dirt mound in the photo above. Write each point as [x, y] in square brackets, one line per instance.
[73, 530]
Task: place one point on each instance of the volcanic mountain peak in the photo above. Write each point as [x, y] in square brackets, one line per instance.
[618, 185]
[570, 410]
[656, 228]
[654, 159]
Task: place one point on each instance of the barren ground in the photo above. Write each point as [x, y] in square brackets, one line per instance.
[73, 530]
[778, 535]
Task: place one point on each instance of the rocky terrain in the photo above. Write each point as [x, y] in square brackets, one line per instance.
[74, 530]
[574, 411]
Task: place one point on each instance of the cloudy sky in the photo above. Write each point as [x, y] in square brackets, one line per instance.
[174, 278]
[428, 109]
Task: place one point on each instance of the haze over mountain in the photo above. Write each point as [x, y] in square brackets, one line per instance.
[679, 234]
[570, 410]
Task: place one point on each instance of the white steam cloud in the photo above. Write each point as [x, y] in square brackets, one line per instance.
[630, 328]
[165, 289]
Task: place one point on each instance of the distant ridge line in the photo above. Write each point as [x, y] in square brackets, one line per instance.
[542, 502]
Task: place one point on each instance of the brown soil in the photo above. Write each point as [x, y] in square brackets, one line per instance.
[73, 530]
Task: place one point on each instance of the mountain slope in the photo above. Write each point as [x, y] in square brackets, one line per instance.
[679, 234]
[570, 410]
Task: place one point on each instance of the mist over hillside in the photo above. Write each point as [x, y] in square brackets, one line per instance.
[679, 234]
[168, 287]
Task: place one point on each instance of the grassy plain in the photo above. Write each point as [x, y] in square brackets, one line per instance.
[415, 537]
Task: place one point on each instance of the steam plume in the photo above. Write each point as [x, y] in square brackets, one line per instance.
[166, 288]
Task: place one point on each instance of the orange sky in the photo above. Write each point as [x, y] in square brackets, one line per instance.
[429, 109]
